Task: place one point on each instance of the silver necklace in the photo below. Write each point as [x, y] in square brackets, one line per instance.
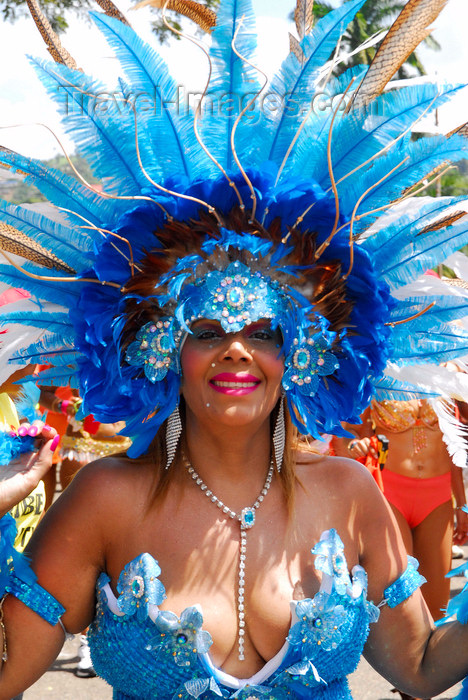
[246, 520]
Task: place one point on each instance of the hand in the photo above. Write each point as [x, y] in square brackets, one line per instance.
[361, 448]
[22, 474]
[460, 534]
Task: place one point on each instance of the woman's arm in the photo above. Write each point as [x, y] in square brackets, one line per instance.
[460, 534]
[67, 554]
[403, 645]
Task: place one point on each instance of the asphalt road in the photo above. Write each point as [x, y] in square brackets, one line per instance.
[60, 683]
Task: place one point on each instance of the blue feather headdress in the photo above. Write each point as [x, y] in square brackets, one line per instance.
[281, 216]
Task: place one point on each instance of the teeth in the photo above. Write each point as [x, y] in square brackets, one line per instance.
[235, 385]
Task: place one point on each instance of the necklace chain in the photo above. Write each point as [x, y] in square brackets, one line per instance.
[246, 520]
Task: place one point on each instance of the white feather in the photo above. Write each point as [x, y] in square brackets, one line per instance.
[439, 380]
[458, 262]
[454, 433]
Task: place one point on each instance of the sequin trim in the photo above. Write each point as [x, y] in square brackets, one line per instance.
[403, 587]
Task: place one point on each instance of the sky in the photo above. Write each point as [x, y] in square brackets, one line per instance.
[23, 100]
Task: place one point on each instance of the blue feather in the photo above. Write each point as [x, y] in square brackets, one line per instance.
[362, 134]
[408, 258]
[53, 322]
[441, 344]
[422, 157]
[65, 294]
[310, 150]
[170, 135]
[294, 81]
[67, 243]
[388, 388]
[57, 376]
[63, 190]
[380, 245]
[233, 82]
[446, 309]
[103, 132]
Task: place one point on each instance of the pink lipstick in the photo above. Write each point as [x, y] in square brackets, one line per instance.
[234, 384]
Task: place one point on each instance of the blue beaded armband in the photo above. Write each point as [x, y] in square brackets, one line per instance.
[17, 577]
[405, 585]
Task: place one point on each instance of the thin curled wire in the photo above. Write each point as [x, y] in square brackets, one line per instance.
[105, 231]
[239, 118]
[176, 31]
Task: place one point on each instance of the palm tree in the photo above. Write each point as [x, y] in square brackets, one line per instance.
[372, 18]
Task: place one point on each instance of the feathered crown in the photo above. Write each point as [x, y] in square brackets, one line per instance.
[236, 212]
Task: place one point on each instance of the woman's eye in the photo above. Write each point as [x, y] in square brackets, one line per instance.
[206, 334]
[262, 335]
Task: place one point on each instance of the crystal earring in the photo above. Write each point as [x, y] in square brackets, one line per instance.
[279, 436]
[173, 433]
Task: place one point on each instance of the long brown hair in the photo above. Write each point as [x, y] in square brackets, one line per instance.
[163, 477]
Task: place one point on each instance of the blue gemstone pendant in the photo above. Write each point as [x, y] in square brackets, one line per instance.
[247, 518]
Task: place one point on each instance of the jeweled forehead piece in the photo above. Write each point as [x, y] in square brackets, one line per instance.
[236, 297]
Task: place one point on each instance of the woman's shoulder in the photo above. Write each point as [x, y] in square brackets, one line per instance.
[114, 477]
[311, 467]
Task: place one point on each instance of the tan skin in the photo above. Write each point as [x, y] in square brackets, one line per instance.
[103, 521]
[430, 541]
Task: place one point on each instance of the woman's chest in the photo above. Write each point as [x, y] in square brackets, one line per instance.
[179, 647]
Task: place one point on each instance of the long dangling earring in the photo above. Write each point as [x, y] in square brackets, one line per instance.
[279, 436]
[173, 433]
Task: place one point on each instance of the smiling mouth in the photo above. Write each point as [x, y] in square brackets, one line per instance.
[234, 385]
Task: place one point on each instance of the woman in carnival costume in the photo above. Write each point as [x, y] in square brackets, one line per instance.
[234, 285]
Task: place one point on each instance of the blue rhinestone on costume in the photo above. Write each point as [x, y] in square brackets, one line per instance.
[144, 652]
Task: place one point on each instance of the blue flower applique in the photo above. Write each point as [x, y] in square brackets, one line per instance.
[156, 349]
[359, 591]
[139, 587]
[197, 687]
[302, 674]
[331, 561]
[182, 639]
[308, 361]
[320, 620]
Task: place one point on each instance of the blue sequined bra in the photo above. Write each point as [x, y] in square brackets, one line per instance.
[144, 652]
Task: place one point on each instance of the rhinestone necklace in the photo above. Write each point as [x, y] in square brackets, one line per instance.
[246, 520]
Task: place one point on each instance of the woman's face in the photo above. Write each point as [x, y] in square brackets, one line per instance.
[234, 378]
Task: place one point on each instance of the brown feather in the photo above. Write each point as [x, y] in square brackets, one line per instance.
[304, 17]
[444, 222]
[295, 47]
[406, 33]
[198, 13]
[433, 173]
[460, 130]
[111, 10]
[14, 241]
[54, 46]
[456, 282]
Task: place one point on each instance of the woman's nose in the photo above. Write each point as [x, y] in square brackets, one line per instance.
[236, 351]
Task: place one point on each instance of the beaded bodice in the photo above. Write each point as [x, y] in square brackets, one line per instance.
[144, 652]
[398, 416]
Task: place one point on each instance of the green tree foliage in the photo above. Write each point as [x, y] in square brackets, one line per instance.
[54, 10]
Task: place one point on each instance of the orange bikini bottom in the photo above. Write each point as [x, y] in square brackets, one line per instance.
[416, 498]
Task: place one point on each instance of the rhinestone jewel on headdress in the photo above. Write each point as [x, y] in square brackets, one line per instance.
[307, 362]
[154, 349]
